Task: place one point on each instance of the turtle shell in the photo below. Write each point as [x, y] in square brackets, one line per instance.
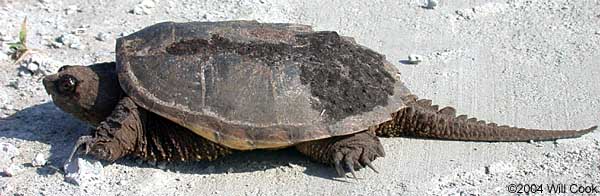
[250, 85]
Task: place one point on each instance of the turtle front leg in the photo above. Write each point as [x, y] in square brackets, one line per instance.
[116, 136]
[130, 130]
[350, 152]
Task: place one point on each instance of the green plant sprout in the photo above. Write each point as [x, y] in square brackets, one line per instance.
[19, 48]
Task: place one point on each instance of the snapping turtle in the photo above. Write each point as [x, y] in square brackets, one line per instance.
[201, 90]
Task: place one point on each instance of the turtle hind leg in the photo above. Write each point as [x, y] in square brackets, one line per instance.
[349, 152]
[130, 130]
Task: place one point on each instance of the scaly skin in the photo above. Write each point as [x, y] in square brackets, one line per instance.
[130, 130]
[423, 120]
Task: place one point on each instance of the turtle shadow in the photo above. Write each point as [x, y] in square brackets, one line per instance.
[47, 124]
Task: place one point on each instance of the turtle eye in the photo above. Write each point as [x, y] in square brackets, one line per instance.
[66, 84]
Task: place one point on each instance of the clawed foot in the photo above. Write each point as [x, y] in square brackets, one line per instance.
[351, 161]
[83, 140]
[356, 152]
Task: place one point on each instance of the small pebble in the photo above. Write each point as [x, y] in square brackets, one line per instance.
[102, 36]
[33, 67]
[465, 14]
[537, 144]
[22, 73]
[56, 44]
[431, 4]
[4, 100]
[81, 171]
[6, 37]
[4, 56]
[138, 10]
[148, 3]
[498, 168]
[8, 151]
[39, 160]
[79, 30]
[144, 7]
[71, 9]
[11, 170]
[70, 40]
[125, 33]
[414, 59]
[36, 64]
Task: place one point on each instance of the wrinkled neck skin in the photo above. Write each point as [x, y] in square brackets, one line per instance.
[96, 95]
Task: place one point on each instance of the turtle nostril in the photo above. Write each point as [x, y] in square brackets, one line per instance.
[48, 82]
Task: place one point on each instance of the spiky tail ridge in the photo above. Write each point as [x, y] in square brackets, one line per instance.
[422, 120]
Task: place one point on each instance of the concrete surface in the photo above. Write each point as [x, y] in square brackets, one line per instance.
[529, 63]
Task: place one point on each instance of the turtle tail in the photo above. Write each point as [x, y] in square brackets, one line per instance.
[422, 120]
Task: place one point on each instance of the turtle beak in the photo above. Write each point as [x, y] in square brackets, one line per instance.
[48, 82]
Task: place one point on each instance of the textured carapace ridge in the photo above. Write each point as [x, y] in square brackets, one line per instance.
[422, 119]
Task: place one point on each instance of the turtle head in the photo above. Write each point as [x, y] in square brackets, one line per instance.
[87, 92]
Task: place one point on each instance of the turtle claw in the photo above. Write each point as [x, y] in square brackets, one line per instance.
[350, 166]
[366, 162]
[353, 173]
[352, 160]
[372, 167]
[81, 141]
[338, 166]
[340, 171]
